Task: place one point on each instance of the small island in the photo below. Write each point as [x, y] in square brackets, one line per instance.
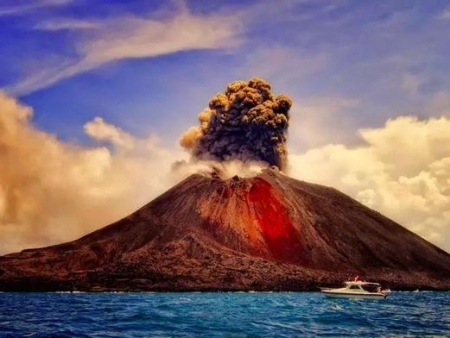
[267, 233]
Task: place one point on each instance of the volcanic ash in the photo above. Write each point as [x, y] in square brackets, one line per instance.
[247, 122]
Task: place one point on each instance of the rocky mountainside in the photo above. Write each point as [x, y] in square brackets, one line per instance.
[268, 232]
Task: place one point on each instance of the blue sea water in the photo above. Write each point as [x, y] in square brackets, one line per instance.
[410, 314]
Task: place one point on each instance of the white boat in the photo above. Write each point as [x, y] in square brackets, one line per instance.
[356, 289]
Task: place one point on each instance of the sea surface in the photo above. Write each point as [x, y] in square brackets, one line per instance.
[292, 314]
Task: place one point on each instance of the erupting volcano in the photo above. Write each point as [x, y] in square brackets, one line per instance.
[266, 232]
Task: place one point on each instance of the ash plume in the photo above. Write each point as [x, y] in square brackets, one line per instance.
[247, 123]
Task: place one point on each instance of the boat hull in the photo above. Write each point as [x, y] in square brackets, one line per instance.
[354, 295]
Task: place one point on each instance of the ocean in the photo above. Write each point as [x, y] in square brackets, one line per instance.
[291, 314]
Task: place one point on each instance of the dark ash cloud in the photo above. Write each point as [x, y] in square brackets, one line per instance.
[247, 122]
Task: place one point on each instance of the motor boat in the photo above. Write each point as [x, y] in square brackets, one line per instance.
[356, 289]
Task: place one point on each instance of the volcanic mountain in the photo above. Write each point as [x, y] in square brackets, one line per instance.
[268, 232]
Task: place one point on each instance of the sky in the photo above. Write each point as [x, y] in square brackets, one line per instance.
[94, 99]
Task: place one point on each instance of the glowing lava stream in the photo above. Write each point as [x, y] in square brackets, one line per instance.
[276, 227]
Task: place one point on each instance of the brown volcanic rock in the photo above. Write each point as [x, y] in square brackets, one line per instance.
[269, 232]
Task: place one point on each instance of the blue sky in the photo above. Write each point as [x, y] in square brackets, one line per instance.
[364, 60]
[114, 84]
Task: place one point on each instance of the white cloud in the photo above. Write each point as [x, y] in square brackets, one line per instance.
[403, 171]
[99, 130]
[66, 24]
[52, 191]
[21, 7]
[108, 40]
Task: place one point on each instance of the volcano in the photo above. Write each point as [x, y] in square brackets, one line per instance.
[268, 232]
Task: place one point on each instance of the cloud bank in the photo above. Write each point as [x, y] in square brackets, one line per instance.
[52, 191]
[402, 171]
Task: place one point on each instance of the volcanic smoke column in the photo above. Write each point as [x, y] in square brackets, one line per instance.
[247, 123]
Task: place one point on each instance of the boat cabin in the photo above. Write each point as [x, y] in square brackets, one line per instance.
[363, 286]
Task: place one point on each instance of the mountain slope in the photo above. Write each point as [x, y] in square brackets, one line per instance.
[268, 232]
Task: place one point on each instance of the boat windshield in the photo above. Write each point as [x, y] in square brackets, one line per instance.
[371, 287]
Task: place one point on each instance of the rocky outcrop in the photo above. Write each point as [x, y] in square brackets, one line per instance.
[268, 232]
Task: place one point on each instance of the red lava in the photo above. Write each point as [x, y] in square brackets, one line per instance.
[277, 230]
